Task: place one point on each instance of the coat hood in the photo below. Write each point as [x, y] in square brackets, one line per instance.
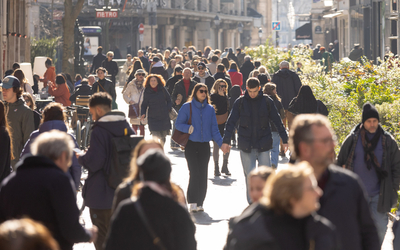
[204, 77]
[50, 125]
[114, 122]
[285, 73]
[158, 64]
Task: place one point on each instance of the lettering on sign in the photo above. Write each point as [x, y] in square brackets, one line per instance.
[107, 14]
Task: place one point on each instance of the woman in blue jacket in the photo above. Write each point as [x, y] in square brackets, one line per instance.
[204, 128]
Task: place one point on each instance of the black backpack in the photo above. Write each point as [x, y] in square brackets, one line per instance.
[122, 148]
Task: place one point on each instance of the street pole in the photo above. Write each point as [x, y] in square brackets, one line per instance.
[277, 19]
[152, 35]
[51, 18]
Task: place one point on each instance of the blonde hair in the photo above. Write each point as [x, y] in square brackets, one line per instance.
[262, 70]
[110, 53]
[285, 186]
[216, 86]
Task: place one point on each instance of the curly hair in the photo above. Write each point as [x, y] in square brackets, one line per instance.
[159, 78]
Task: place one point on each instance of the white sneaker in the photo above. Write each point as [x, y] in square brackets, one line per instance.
[200, 209]
[192, 207]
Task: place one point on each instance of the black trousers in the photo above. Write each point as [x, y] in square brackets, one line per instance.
[101, 219]
[197, 155]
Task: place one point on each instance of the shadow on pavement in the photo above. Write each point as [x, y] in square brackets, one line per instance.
[177, 153]
[202, 218]
[222, 181]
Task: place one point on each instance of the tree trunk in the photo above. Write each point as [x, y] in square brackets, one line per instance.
[71, 12]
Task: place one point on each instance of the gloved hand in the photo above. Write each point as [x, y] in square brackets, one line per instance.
[191, 128]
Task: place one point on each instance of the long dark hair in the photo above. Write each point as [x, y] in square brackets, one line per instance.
[4, 123]
[269, 88]
[136, 65]
[194, 92]
[306, 102]
[226, 63]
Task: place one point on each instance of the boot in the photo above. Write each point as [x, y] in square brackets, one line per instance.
[216, 170]
[224, 168]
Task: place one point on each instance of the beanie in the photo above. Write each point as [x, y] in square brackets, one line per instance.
[369, 111]
[154, 165]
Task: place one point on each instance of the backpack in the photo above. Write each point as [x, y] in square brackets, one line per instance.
[121, 151]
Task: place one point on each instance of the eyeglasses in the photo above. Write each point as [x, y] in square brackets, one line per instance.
[140, 74]
[200, 68]
[222, 86]
[203, 91]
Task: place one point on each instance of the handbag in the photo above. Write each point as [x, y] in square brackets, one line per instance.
[172, 112]
[134, 111]
[221, 119]
[180, 137]
[156, 240]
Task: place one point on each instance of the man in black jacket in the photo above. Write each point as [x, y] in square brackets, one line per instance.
[344, 200]
[111, 66]
[222, 75]
[82, 89]
[103, 84]
[246, 68]
[98, 60]
[41, 190]
[174, 79]
[144, 60]
[183, 89]
[373, 154]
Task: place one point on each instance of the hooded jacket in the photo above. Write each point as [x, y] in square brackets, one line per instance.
[234, 94]
[132, 93]
[39, 189]
[49, 75]
[246, 68]
[236, 78]
[96, 192]
[207, 79]
[75, 170]
[158, 68]
[61, 94]
[391, 163]
[20, 118]
[158, 104]
[171, 83]
[97, 61]
[246, 110]
[287, 85]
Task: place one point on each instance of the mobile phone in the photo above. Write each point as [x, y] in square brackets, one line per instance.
[77, 150]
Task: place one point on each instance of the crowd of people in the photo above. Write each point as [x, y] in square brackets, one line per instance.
[201, 96]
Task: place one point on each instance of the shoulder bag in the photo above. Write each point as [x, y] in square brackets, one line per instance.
[134, 111]
[156, 240]
[180, 137]
[172, 112]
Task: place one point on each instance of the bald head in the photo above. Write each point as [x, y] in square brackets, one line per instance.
[284, 65]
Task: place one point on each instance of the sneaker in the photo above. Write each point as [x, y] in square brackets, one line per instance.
[200, 209]
[192, 207]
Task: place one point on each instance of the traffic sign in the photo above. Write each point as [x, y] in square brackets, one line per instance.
[141, 28]
[276, 26]
[107, 14]
[141, 36]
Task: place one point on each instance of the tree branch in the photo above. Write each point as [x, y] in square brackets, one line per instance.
[77, 9]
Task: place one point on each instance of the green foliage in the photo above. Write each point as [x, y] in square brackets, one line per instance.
[44, 47]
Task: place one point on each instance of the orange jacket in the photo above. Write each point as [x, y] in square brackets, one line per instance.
[49, 75]
[61, 94]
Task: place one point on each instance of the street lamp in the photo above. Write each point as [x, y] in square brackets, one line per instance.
[240, 27]
[260, 33]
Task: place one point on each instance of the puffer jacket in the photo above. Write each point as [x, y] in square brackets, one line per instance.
[132, 93]
[158, 104]
[20, 118]
[75, 170]
[287, 85]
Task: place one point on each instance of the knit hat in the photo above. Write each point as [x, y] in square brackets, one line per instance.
[369, 111]
[154, 165]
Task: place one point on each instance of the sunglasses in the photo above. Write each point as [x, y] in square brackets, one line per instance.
[222, 86]
[200, 68]
[141, 74]
[203, 91]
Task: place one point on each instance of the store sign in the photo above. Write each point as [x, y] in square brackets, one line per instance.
[106, 14]
[318, 30]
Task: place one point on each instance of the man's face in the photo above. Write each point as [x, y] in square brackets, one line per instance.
[93, 112]
[91, 80]
[371, 125]
[140, 54]
[202, 70]
[253, 93]
[322, 151]
[100, 74]
[9, 95]
[187, 74]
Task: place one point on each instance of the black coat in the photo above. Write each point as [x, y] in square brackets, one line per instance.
[344, 203]
[180, 89]
[246, 68]
[170, 221]
[5, 153]
[104, 85]
[287, 85]
[171, 83]
[97, 62]
[81, 89]
[158, 104]
[209, 82]
[43, 192]
[232, 57]
[221, 75]
[112, 68]
[263, 78]
[145, 62]
[160, 71]
[249, 231]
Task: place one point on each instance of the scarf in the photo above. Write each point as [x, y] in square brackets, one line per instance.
[369, 154]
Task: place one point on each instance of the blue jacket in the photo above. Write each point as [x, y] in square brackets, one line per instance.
[204, 122]
[242, 108]
[75, 170]
[159, 104]
[96, 191]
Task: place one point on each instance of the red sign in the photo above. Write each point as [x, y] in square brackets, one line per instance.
[141, 28]
[106, 14]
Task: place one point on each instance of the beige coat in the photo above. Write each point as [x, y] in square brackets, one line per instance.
[131, 93]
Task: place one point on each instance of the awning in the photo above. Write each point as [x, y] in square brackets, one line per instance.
[333, 15]
[304, 32]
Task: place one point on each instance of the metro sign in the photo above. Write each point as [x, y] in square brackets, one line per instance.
[106, 14]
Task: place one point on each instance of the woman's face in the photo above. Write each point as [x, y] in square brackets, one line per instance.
[201, 94]
[256, 187]
[153, 82]
[309, 202]
[27, 102]
[173, 64]
[222, 88]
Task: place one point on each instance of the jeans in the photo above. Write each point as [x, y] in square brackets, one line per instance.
[380, 219]
[249, 163]
[275, 149]
[197, 155]
[101, 219]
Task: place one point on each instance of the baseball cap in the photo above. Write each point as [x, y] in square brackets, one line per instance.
[201, 64]
[9, 82]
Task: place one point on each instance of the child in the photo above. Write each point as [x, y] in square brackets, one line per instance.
[257, 179]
